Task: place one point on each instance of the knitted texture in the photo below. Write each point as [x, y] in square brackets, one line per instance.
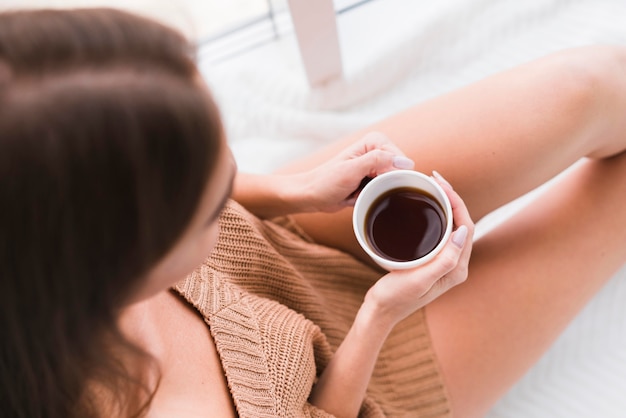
[278, 305]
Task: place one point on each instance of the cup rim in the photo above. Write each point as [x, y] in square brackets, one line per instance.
[400, 265]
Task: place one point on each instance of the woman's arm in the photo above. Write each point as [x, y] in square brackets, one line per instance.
[330, 187]
[268, 196]
[326, 188]
[343, 383]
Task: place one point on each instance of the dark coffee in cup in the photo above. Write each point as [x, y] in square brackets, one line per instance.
[405, 224]
[402, 219]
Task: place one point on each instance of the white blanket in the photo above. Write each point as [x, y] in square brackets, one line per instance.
[399, 52]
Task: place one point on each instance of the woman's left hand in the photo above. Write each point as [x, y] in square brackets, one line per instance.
[334, 184]
[327, 188]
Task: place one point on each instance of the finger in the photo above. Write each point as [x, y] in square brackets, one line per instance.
[450, 256]
[378, 140]
[460, 212]
[371, 141]
[372, 163]
[461, 218]
[459, 237]
[443, 272]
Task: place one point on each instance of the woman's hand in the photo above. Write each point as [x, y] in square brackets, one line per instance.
[326, 188]
[400, 293]
[334, 185]
[342, 385]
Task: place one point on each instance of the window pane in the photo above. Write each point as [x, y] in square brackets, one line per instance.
[343, 5]
[215, 17]
[279, 5]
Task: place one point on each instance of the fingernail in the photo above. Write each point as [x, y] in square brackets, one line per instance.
[441, 179]
[402, 162]
[459, 236]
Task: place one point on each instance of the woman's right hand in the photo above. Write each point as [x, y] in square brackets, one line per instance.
[343, 383]
[400, 293]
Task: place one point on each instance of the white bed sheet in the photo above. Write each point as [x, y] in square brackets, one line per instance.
[400, 52]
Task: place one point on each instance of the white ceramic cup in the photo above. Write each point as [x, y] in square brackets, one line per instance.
[393, 180]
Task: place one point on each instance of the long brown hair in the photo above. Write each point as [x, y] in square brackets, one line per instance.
[106, 143]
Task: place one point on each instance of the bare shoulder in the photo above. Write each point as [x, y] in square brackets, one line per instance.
[193, 383]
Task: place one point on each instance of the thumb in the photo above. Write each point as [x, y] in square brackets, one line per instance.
[448, 259]
[459, 236]
[447, 271]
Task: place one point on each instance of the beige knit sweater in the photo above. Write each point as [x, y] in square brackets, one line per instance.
[278, 305]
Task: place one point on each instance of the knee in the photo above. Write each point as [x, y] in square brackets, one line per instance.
[591, 81]
[599, 68]
[590, 75]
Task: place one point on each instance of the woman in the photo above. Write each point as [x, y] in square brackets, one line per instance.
[115, 179]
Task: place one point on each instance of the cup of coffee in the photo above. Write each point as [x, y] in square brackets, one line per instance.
[402, 219]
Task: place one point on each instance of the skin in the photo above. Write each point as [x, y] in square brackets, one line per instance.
[493, 141]
[165, 327]
[192, 379]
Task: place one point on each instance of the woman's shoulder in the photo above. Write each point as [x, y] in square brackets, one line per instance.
[192, 381]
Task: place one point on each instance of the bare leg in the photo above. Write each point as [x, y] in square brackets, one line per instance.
[528, 278]
[494, 141]
[498, 139]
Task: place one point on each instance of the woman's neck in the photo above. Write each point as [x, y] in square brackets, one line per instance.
[142, 324]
